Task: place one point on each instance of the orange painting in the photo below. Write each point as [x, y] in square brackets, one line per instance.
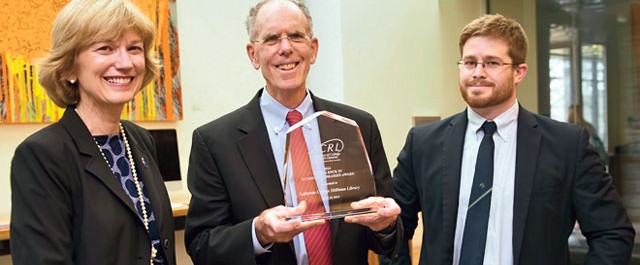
[26, 30]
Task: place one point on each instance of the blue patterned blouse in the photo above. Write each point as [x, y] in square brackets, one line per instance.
[113, 148]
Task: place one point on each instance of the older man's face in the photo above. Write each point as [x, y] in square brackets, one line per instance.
[282, 46]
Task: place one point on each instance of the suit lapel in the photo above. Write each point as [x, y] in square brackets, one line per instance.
[94, 160]
[146, 175]
[255, 148]
[528, 145]
[319, 104]
[452, 163]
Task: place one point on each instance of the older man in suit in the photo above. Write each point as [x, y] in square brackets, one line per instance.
[497, 184]
[236, 214]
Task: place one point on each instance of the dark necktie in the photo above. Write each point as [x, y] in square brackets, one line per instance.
[475, 230]
[317, 240]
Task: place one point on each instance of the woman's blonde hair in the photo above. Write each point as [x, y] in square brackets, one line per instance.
[82, 23]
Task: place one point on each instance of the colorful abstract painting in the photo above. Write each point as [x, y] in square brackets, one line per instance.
[26, 30]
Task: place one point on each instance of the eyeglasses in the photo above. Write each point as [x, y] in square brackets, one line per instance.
[488, 65]
[293, 38]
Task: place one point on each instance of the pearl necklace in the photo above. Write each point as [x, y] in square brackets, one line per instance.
[145, 217]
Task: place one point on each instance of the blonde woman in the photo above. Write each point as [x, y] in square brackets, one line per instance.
[87, 189]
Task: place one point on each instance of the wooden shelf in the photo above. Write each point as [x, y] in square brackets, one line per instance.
[179, 205]
[4, 228]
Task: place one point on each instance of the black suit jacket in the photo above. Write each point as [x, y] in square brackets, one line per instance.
[559, 178]
[68, 207]
[233, 178]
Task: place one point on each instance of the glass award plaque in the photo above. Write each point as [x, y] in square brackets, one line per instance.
[336, 173]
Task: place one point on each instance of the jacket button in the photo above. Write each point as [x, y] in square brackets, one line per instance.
[166, 243]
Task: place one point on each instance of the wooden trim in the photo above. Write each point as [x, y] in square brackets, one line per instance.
[4, 227]
[179, 207]
[419, 120]
[4, 231]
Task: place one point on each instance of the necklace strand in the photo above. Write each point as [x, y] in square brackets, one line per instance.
[145, 217]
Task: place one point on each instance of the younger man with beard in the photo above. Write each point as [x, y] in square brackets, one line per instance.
[514, 196]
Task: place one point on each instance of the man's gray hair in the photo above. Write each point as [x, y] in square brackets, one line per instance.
[251, 19]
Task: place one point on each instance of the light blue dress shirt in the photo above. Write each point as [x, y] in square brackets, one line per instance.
[274, 114]
[499, 246]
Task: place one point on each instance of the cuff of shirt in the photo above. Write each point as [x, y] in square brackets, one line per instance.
[258, 249]
[387, 233]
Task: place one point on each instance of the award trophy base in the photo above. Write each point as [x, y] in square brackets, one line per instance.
[332, 215]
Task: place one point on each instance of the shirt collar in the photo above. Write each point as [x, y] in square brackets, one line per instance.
[275, 113]
[503, 121]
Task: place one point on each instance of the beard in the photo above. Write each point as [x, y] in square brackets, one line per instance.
[500, 93]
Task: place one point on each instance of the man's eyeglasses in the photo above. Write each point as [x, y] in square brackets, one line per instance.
[293, 38]
[488, 65]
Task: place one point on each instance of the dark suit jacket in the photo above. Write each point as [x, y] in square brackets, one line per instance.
[233, 178]
[68, 207]
[558, 179]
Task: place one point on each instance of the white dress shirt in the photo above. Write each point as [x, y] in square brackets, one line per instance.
[499, 246]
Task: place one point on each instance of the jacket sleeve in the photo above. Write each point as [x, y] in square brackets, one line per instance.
[384, 188]
[41, 216]
[406, 195]
[602, 218]
[405, 188]
[211, 236]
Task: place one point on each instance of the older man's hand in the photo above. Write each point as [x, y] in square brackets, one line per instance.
[272, 225]
[385, 216]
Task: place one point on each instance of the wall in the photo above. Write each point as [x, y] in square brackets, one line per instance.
[399, 61]
[524, 11]
[326, 79]
[10, 137]
[395, 59]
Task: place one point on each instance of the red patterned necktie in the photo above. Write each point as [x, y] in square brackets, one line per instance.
[317, 240]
